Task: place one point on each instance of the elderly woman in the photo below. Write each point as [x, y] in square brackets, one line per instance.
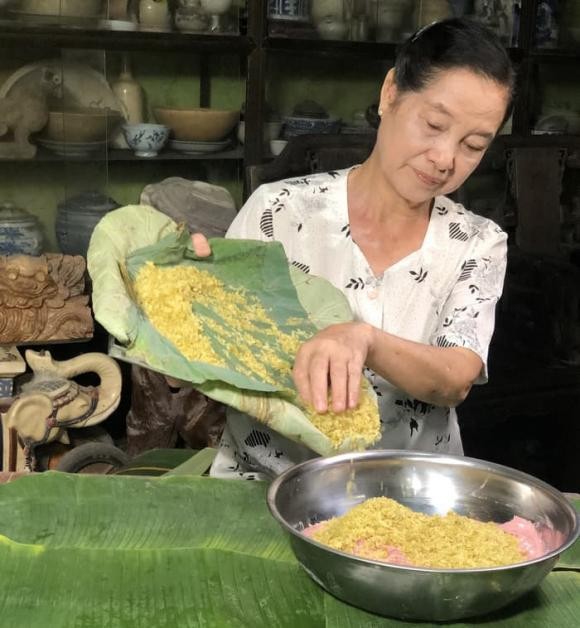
[422, 273]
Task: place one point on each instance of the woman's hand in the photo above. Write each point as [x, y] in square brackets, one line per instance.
[334, 357]
[200, 245]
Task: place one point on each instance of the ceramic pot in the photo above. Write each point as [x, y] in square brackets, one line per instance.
[332, 28]
[321, 9]
[20, 232]
[216, 7]
[390, 19]
[77, 217]
[291, 10]
[154, 14]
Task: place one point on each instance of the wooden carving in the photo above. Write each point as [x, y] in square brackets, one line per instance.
[42, 299]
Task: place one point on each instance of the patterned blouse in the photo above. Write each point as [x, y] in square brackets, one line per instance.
[444, 294]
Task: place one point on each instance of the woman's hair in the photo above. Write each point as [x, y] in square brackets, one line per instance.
[452, 44]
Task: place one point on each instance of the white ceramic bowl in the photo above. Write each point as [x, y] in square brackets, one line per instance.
[146, 140]
[277, 146]
[271, 131]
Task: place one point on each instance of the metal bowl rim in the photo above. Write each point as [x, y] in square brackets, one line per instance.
[402, 453]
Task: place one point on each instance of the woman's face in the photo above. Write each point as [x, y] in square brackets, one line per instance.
[430, 141]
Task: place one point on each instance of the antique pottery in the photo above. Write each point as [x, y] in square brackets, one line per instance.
[20, 232]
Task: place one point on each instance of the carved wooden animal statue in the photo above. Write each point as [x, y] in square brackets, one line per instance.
[52, 402]
[25, 111]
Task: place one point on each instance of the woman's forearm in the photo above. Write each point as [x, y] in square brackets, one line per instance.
[440, 376]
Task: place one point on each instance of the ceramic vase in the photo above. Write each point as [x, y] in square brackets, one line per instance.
[130, 97]
[20, 232]
[154, 15]
[77, 217]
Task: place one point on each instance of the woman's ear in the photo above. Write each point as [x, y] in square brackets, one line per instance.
[388, 92]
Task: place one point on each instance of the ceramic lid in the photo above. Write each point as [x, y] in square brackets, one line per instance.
[9, 212]
[90, 201]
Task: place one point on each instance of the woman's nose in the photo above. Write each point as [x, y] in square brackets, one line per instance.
[442, 154]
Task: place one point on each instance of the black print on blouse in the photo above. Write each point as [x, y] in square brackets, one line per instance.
[418, 407]
[455, 232]
[473, 288]
[445, 343]
[414, 426]
[356, 283]
[299, 228]
[442, 211]
[322, 190]
[420, 275]
[267, 223]
[378, 393]
[255, 439]
[467, 268]
[301, 266]
[277, 205]
[334, 174]
[442, 438]
[346, 231]
[284, 192]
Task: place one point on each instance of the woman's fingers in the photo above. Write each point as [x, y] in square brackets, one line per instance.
[339, 384]
[354, 383]
[200, 245]
[332, 359]
[318, 376]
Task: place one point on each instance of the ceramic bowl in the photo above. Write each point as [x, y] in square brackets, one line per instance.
[81, 125]
[146, 140]
[198, 125]
[277, 146]
[271, 131]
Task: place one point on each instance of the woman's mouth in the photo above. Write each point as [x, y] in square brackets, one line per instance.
[427, 180]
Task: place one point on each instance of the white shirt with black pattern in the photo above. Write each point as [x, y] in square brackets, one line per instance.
[444, 294]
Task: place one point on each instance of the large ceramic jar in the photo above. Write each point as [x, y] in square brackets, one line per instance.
[20, 232]
[154, 14]
[77, 217]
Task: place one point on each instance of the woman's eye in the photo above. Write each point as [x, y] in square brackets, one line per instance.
[435, 127]
[475, 149]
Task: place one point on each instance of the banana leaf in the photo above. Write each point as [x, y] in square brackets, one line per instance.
[128, 237]
[118, 552]
[260, 268]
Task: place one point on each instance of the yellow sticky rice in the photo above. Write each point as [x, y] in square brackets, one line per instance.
[166, 295]
[448, 541]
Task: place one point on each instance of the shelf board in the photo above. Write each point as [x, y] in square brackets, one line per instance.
[67, 36]
[373, 49]
[113, 154]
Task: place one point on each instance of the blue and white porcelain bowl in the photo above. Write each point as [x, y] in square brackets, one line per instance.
[146, 139]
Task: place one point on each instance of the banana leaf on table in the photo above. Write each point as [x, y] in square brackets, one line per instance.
[127, 238]
[185, 552]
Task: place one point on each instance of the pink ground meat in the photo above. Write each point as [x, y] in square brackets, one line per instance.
[528, 537]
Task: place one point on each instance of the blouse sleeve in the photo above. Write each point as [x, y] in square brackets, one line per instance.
[250, 223]
[467, 318]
